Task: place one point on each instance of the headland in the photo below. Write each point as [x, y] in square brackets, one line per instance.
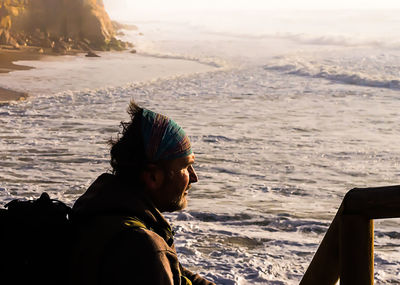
[32, 29]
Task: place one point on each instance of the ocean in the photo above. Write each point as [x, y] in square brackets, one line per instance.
[286, 111]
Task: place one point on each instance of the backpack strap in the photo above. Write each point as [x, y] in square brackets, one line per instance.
[133, 222]
[185, 280]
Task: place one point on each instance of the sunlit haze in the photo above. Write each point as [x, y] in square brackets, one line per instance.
[129, 9]
[288, 104]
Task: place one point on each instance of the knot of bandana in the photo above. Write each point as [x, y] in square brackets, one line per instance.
[163, 138]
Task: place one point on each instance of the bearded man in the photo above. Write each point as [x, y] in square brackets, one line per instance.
[121, 237]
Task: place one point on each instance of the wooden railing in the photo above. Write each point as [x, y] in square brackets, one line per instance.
[347, 250]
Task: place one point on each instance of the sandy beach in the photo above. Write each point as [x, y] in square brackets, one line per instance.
[7, 58]
[7, 95]
[31, 75]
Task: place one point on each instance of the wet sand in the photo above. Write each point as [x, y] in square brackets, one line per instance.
[7, 95]
[7, 58]
[52, 74]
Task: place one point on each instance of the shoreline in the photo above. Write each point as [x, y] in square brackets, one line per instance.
[49, 74]
[7, 95]
[7, 58]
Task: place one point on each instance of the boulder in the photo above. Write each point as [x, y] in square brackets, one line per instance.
[13, 43]
[92, 54]
[61, 47]
[4, 37]
[116, 44]
[47, 43]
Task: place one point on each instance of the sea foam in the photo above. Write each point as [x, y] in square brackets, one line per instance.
[370, 70]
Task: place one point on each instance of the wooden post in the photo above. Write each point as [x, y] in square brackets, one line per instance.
[324, 267]
[347, 249]
[356, 250]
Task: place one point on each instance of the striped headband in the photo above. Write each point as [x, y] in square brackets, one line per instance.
[163, 138]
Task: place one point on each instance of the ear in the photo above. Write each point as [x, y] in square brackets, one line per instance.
[152, 177]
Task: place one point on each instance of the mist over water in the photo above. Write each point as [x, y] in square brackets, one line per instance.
[290, 112]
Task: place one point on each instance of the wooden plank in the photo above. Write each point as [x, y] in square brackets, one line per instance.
[356, 250]
[373, 203]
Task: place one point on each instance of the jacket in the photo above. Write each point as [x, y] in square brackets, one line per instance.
[121, 238]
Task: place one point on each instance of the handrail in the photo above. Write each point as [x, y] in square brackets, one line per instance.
[347, 249]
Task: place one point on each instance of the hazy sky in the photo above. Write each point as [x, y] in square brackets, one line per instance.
[253, 4]
[139, 8]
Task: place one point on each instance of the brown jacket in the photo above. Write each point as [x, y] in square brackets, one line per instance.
[111, 249]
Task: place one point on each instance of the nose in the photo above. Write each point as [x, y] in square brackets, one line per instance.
[192, 175]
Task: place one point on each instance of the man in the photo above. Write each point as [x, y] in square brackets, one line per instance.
[121, 235]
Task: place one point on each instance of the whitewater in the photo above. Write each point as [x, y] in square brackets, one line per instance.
[286, 111]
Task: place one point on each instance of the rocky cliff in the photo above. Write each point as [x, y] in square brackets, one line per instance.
[57, 25]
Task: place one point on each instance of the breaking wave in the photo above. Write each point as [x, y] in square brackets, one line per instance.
[309, 39]
[361, 71]
[211, 61]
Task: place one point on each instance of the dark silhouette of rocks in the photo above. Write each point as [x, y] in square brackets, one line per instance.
[92, 54]
[58, 26]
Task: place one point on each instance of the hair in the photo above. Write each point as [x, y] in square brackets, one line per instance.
[128, 158]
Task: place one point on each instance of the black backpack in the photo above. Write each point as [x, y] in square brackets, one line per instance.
[35, 240]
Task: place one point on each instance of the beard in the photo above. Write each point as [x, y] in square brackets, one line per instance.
[177, 204]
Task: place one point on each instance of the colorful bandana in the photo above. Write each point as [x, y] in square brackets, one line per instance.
[163, 138]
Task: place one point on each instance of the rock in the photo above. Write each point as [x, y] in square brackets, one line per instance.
[47, 43]
[133, 51]
[82, 46]
[4, 37]
[7, 39]
[119, 26]
[92, 54]
[34, 40]
[45, 21]
[86, 41]
[114, 44]
[14, 43]
[61, 47]
[20, 39]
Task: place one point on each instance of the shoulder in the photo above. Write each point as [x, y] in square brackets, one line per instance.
[132, 234]
[144, 239]
[142, 253]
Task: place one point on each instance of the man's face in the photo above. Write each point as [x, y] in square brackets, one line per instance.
[179, 174]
